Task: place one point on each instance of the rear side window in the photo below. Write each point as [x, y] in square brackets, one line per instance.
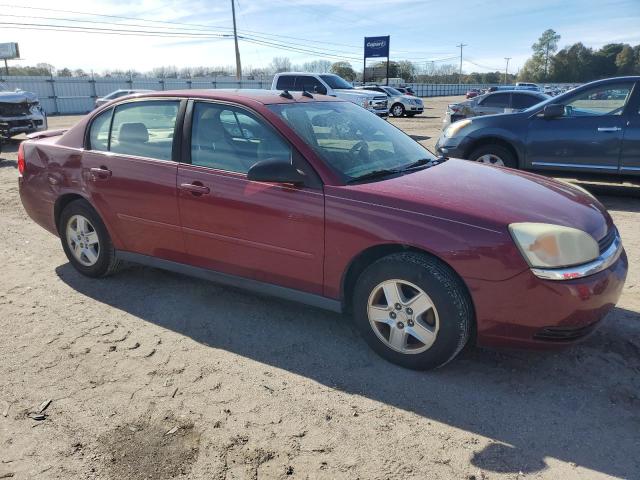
[285, 82]
[99, 132]
[522, 100]
[144, 129]
[308, 83]
[499, 100]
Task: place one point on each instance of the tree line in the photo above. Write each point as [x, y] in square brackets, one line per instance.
[578, 63]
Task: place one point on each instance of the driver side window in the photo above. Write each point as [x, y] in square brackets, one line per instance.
[231, 139]
[604, 100]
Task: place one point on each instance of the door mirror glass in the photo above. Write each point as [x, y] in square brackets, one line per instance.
[320, 89]
[275, 171]
[553, 110]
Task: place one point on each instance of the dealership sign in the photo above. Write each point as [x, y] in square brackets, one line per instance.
[9, 51]
[375, 47]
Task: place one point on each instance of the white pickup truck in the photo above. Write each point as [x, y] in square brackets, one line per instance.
[330, 84]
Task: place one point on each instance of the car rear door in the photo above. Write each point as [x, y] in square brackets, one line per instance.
[272, 233]
[130, 168]
[588, 137]
[630, 153]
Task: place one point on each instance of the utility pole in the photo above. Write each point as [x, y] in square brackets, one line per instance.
[6, 67]
[506, 70]
[461, 46]
[235, 38]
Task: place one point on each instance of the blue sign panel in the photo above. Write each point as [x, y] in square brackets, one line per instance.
[376, 47]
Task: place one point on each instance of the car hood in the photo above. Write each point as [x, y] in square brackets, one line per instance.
[488, 197]
[18, 97]
[360, 93]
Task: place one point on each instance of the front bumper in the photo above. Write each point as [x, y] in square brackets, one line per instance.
[11, 126]
[455, 147]
[531, 312]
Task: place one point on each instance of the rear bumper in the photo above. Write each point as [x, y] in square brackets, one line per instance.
[530, 312]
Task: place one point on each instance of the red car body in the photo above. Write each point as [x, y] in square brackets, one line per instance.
[472, 93]
[310, 244]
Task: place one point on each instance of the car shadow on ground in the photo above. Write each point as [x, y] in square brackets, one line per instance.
[534, 404]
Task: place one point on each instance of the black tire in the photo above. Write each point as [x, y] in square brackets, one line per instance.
[441, 284]
[400, 109]
[107, 262]
[503, 153]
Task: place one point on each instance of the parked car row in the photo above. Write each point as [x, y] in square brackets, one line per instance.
[302, 194]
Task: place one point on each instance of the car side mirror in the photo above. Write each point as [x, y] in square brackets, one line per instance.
[553, 110]
[320, 89]
[275, 171]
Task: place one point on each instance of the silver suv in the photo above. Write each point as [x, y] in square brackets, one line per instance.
[399, 103]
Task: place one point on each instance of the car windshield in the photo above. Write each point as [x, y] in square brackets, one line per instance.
[336, 82]
[356, 143]
[393, 91]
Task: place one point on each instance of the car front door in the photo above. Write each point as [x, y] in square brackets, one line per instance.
[493, 103]
[130, 166]
[587, 138]
[630, 153]
[267, 232]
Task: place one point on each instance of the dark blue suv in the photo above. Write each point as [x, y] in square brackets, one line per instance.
[594, 128]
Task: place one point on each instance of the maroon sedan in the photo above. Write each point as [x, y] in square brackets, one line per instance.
[317, 200]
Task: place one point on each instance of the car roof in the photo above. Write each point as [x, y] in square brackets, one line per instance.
[244, 95]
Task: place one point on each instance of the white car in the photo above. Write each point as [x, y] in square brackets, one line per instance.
[399, 103]
[20, 112]
[330, 84]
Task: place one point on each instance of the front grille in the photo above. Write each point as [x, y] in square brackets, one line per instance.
[379, 103]
[605, 242]
[14, 109]
[564, 334]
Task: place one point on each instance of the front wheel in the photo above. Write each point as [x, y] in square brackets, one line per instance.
[397, 110]
[413, 310]
[494, 154]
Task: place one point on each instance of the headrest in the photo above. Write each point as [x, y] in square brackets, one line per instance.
[133, 132]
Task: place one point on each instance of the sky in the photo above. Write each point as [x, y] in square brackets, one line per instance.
[421, 31]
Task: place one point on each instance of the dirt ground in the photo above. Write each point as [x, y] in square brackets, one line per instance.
[153, 375]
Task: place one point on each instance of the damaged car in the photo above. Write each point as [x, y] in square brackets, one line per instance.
[20, 112]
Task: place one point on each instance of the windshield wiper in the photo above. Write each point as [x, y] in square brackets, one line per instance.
[422, 163]
[375, 174]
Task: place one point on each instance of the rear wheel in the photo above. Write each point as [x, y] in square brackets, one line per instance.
[397, 110]
[413, 310]
[494, 154]
[85, 240]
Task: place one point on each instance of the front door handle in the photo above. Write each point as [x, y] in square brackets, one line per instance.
[195, 188]
[609, 129]
[100, 173]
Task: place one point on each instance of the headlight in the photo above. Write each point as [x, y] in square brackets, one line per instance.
[455, 127]
[553, 246]
[365, 102]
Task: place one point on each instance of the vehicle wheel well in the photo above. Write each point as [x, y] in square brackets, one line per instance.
[396, 103]
[60, 205]
[492, 141]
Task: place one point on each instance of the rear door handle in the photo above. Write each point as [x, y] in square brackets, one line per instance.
[102, 173]
[609, 129]
[195, 189]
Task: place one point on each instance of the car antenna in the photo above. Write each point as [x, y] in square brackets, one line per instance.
[306, 94]
[286, 94]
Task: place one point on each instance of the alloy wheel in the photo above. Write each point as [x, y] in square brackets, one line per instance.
[83, 240]
[403, 316]
[491, 159]
[397, 111]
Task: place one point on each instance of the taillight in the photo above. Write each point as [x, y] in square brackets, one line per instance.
[21, 163]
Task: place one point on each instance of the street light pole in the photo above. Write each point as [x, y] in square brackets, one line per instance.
[460, 73]
[235, 38]
[506, 70]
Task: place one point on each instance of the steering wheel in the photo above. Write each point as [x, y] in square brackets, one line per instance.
[360, 150]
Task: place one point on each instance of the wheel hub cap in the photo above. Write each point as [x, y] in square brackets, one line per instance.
[491, 159]
[413, 327]
[82, 240]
